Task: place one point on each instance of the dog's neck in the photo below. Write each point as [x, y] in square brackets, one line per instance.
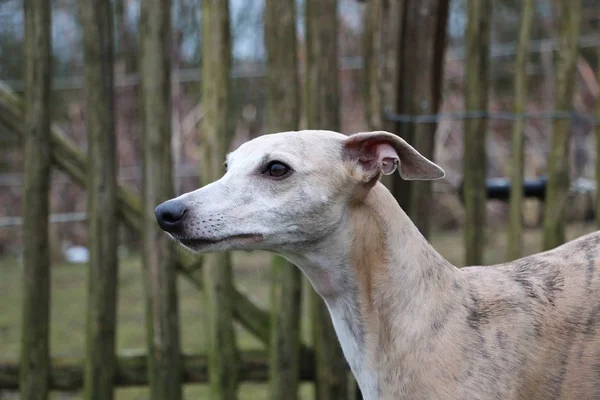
[383, 284]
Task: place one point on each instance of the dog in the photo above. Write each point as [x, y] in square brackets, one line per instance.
[411, 325]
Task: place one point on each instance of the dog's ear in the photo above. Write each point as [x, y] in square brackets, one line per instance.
[382, 153]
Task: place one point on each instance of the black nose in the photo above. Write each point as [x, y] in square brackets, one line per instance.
[170, 215]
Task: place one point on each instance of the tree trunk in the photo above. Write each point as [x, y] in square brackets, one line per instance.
[322, 104]
[476, 98]
[426, 95]
[97, 23]
[283, 105]
[35, 349]
[518, 137]
[558, 161]
[162, 311]
[216, 133]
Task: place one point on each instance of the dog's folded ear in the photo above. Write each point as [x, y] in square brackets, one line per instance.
[382, 152]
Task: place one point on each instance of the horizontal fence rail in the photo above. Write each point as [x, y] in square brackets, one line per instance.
[67, 374]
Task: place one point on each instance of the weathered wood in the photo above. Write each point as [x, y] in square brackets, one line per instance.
[426, 95]
[404, 70]
[555, 216]
[162, 310]
[101, 187]
[283, 105]
[479, 14]
[322, 105]
[35, 322]
[132, 370]
[598, 136]
[215, 135]
[74, 163]
[372, 64]
[285, 330]
[515, 227]
[390, 32]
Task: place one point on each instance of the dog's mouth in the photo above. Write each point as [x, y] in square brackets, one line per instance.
[234, 240]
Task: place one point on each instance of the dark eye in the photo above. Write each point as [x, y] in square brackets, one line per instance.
[277, 169]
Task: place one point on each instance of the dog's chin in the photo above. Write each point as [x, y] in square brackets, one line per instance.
[210, 245]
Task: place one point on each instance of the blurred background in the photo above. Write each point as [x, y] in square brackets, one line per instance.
[415, 68]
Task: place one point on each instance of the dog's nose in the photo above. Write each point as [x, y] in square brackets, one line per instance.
[170, 215]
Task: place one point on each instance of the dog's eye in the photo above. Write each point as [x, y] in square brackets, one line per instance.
[277, 169]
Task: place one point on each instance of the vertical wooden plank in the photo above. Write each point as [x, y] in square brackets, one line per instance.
[479, 13]
[515, 227]
[427, 95]
[101, 185]
[557, 190]
[283, 113]
[322, 105]
[404, 87]
[96, 20]
[392, 12]
[284, 360]
[35, 349]
[418, 69]
[162, 310]
[598, 135]
[372, 46]
[215, 135]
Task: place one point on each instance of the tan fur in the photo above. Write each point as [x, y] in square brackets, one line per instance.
[369, 259]
[412, 326]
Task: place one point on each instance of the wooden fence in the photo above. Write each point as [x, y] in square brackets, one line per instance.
[397, 57]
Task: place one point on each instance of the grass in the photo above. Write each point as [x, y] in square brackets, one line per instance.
[68, 303]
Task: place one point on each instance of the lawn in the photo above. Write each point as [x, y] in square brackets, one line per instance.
[252, 278]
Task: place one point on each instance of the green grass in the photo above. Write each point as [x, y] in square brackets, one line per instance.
[68, 303]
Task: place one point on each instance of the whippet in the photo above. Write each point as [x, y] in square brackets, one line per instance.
[411, 325]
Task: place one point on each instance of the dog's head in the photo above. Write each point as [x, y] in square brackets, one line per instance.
[286, 191]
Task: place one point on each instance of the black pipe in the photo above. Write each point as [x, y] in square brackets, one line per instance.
[499, 189]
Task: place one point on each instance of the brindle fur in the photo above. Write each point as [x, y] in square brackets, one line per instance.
[411, 325]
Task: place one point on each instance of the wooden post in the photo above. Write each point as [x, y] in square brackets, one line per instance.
[518, 136]
[391, 24]
[216, 133]
[283, 105]
[35, 348]
[415, 59]
[404, 84]
[322, 105]
[598, 135]
[162, 311]
[97, 23]
[426, 95]
[557, 190]
[372, 64]
[479, 13]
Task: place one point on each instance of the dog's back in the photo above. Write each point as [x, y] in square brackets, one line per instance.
[537, 323]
